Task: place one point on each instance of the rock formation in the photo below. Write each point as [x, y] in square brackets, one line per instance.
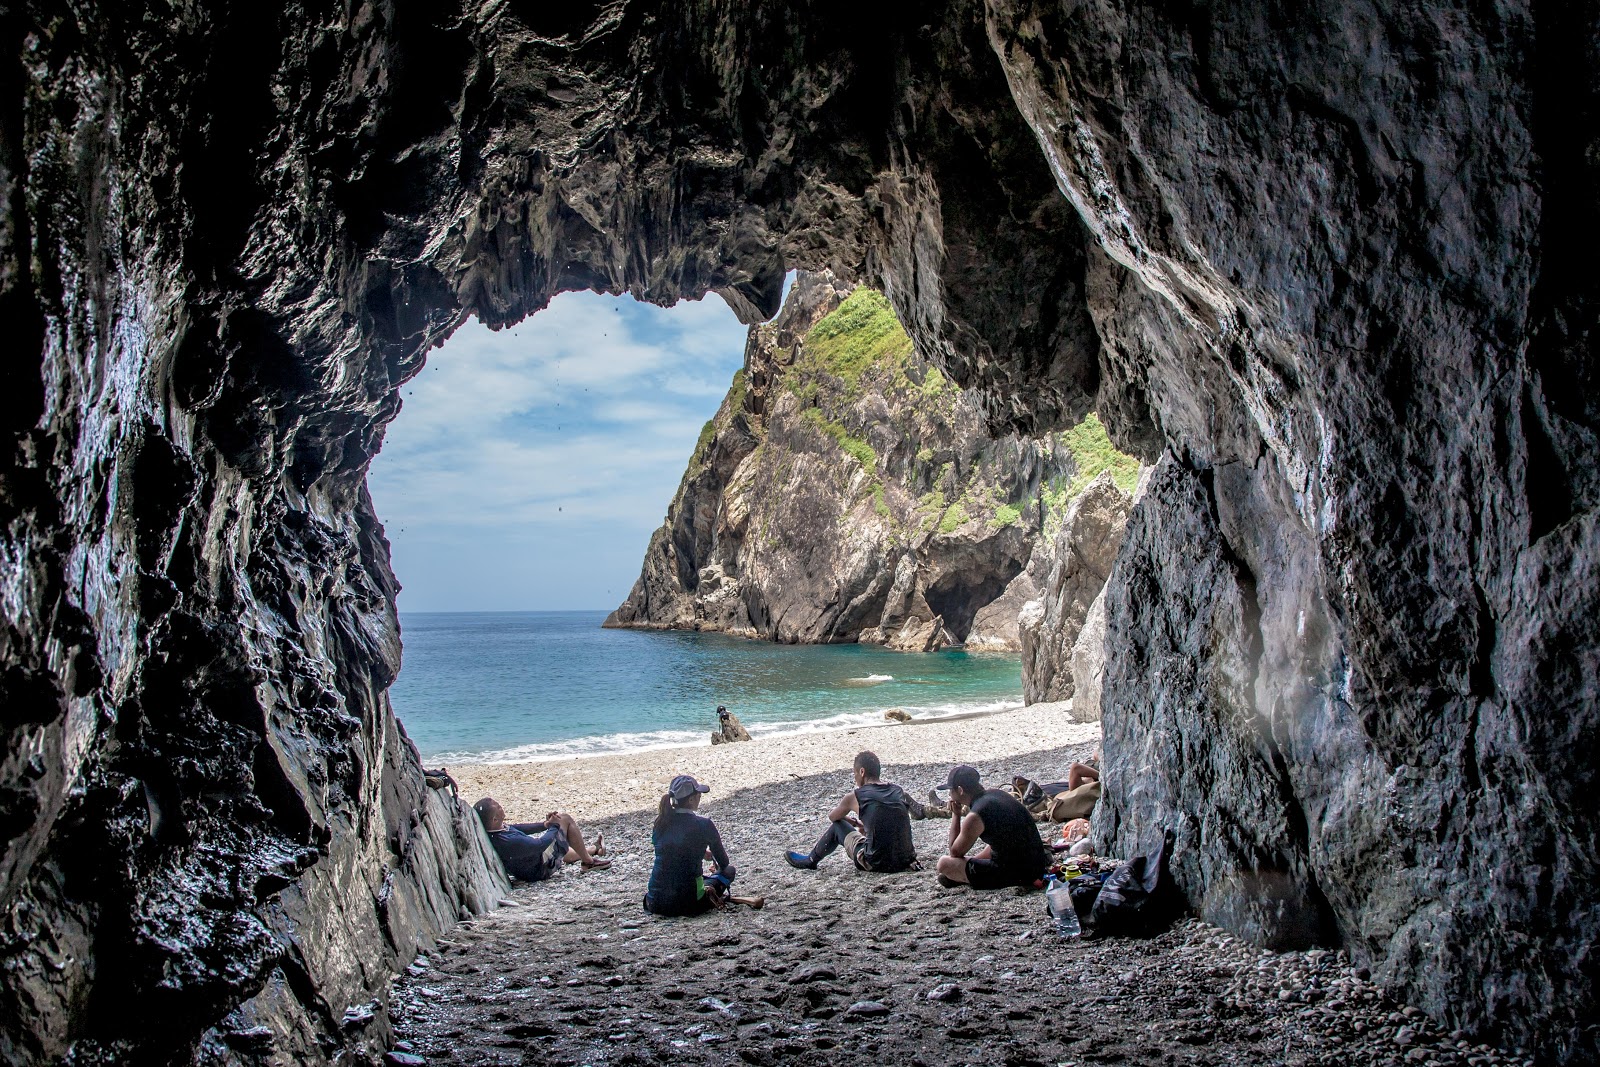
[729, 729]
[846, 491]
[1329, 263]
[1079, 559]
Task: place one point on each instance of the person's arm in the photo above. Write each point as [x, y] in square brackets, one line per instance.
[719, 855]
[529, 828]
[844, 807]
[964, 833]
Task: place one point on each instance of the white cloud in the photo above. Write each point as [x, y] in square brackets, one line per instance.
[571, 428]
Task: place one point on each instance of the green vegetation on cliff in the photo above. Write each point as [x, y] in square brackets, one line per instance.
[1093, 452]
[860, 333]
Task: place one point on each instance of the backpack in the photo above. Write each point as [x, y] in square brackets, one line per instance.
[1139, 898]
[1074, 804]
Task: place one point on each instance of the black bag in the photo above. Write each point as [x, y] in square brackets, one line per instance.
[440, 779]
[1137, 899]
[1085, 891]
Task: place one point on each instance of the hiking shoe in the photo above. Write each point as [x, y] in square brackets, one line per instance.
[800, 860]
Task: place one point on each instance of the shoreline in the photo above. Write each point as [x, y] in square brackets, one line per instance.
[759, 730]
[603, 784]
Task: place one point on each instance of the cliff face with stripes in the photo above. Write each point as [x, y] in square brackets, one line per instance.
[1327, 264]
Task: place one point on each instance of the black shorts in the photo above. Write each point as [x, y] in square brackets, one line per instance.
[987, 874]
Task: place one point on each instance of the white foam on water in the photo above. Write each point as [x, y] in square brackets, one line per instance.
[652, 740]
[871, 679]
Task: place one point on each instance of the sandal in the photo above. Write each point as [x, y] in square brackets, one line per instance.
[594, 863]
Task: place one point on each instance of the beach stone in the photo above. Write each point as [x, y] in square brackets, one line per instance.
[818, 973]
[403, 1059]
[946, 992]
[868, 1009]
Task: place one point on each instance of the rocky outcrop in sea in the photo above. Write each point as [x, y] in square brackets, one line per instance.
[846, 490]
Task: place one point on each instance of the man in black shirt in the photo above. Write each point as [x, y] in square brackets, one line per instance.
[872, 822]
[533, 851]
[1013, 852]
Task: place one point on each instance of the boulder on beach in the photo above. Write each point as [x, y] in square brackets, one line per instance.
[729, 728]
[897, 715]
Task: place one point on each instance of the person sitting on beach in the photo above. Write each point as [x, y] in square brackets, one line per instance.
[880, 839]
[533, 851]
[683, 839]
[1013, 853]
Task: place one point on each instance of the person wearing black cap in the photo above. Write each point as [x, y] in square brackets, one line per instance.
[1013, 852]
[682, 838]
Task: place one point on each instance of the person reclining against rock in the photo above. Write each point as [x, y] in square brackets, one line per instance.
[533, 851]
[872, 822]
[1013, 853]
[683, 839]
[1060, 801]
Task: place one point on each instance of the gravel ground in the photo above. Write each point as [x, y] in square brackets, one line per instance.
[842, 967]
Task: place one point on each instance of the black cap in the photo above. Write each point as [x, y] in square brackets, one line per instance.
[965, 777]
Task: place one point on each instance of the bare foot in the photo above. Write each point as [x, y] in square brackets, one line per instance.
[599, 846]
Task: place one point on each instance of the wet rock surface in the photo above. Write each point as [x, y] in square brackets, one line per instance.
[841, 967]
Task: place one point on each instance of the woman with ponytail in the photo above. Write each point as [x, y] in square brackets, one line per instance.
[682, 839]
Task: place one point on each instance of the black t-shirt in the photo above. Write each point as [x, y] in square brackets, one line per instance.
[676, 879]
[1009, 830]
[886, 816]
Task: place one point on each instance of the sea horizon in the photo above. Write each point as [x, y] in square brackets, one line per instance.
[506, 686]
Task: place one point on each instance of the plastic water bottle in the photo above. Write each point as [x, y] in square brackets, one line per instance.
[1058, 898]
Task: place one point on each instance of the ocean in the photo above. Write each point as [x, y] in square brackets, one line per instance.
[503, 686]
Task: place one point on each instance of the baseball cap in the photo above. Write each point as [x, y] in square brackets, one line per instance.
[966, 777]
[684, 786]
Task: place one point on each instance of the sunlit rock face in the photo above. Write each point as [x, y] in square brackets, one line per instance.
[847, 491]
[1330, 263]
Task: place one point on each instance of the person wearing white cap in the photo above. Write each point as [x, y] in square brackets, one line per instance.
[682, 838]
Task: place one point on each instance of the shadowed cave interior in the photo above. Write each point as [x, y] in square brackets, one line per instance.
[1326, 265]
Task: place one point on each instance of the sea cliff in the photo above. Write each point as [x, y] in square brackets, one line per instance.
[847, 491]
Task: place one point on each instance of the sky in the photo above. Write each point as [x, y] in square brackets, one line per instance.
[529, 466]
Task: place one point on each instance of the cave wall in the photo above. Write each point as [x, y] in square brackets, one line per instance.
[1329, 262]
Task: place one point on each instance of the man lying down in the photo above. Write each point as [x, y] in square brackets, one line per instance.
[533, 851]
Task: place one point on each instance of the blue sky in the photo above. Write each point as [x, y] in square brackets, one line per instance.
[529, 466]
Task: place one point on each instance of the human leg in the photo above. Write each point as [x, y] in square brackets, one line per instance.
[577, 852]
[1079, 773]
[952, 870]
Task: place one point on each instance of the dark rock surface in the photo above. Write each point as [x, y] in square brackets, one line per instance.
[1079, 558]
[1333, 260]
[830, 501]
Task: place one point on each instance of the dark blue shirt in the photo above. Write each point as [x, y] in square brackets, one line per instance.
[523, 848]
[677, 885]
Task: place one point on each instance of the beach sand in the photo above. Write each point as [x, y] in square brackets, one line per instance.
[842, 967]
[591, 787]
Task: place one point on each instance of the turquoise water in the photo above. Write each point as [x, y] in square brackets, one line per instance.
[524, 685]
